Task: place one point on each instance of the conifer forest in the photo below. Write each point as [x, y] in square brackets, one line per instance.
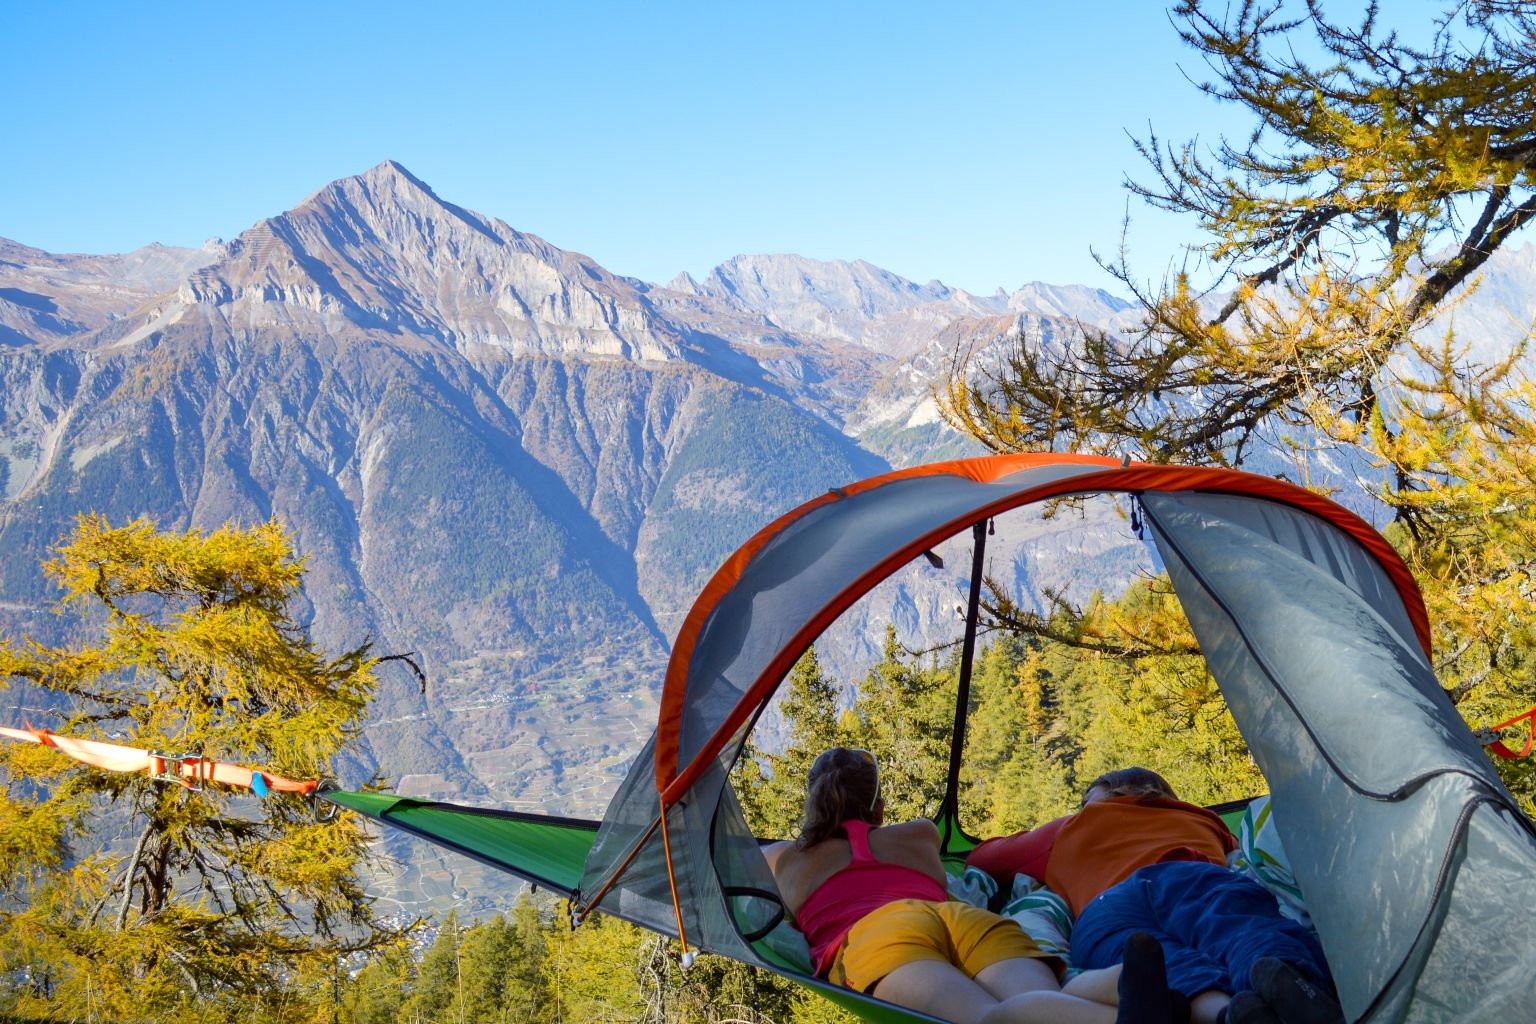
[1383, 166]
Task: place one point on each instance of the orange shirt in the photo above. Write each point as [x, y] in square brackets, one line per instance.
[1023, 853]
[1108, 841]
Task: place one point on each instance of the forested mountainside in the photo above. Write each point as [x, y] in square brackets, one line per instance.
[496, 452]
[492, 451]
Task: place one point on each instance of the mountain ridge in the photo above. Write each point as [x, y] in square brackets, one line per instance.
[491, 450]
[383, 252]
[511, 511]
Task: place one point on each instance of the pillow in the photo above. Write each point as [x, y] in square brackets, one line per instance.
[1261, 856]
[975, 887]
[1042, 914]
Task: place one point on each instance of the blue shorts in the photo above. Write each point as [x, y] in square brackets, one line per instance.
[1212, 923]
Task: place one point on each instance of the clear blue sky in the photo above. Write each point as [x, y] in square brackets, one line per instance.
[982, 144]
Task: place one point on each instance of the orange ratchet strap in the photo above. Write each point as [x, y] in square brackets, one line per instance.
[189, 770]
[1490, 737]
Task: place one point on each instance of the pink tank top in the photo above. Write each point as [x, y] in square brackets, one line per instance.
[865, 885]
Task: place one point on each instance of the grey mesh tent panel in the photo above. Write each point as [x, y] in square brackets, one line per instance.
[723, 897]
[1417, 865]
[814, 563]
[1414, 858]
[806, 572]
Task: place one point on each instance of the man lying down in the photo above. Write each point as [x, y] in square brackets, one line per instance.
[1138, 859]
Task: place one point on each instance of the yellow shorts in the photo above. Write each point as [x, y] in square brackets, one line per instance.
[906, 930]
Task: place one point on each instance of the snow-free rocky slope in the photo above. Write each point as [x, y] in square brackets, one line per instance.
[492, 451]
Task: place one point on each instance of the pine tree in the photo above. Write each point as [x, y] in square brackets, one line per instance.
[377, 993]
[594, 973]
[439, 978]
[222, 905]
[1013, 775]
[904, 714]
[526, 996]
[1378, 180]
[772, 787]
[486, 952]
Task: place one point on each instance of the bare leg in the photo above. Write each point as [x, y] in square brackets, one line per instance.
[1205, 1006]
[1050, 1008]
[1101, 985]
[1008, 978]
[943, 990]
[939, 988]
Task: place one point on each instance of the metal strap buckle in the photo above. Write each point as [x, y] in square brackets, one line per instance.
[168, 768]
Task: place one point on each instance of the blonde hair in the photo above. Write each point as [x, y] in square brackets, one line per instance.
[843, 784]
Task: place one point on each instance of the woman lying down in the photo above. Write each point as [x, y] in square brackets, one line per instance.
[872, 901]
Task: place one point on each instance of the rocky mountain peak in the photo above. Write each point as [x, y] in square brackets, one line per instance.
[46, 297]
[382, 250]
[838, 300]
[396, 207]
[1073, 301]
[393, 174]
[796, 286]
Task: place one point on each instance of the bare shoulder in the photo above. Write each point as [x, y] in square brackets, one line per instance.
[919, 836]
[776, 851]
[918, 830]
[913, 844]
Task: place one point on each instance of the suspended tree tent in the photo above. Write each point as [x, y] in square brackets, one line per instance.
[1415, 861]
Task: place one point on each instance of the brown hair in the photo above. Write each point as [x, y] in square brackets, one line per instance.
[843, 783]
[1134, 781]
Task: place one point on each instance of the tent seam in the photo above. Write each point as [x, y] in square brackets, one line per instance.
[1101, 480]
[1404, 790]
[1463, 823]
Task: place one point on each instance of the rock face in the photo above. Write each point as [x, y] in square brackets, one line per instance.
[381, 252]
[46, 297]
[491, 450]
[864, 305]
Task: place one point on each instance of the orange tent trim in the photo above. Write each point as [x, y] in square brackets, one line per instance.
[673, 779]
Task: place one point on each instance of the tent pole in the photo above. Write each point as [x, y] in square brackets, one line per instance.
[949, 810]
